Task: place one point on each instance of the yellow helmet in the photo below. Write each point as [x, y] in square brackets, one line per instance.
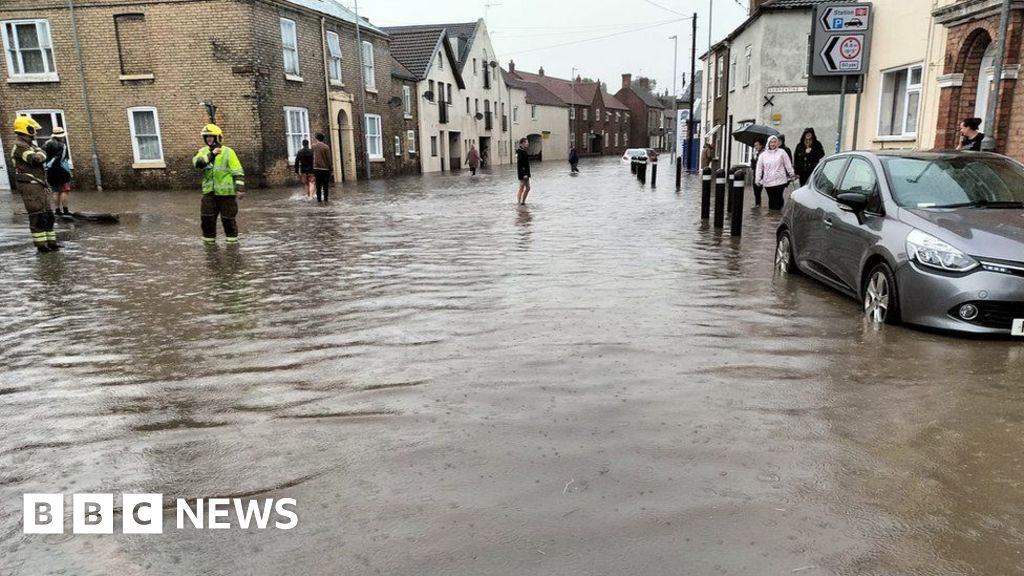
[212, 130]
[26, 125]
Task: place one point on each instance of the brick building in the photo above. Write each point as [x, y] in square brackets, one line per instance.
[966, 82]
[648, 127]
[599, 123]
[274, 71]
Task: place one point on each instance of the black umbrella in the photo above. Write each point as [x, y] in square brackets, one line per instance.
[751, 132]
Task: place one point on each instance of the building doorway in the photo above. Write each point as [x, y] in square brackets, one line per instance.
[596, 144]
[984, 85]
[344, 149]
[535, 146]
[5, 179]
[485, 150]
[454, 150]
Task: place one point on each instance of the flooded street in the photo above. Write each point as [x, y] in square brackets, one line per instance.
[449, 384]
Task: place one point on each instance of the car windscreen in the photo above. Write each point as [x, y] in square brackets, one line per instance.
[955, 181]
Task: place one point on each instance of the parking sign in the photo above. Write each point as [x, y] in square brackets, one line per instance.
[842, 36]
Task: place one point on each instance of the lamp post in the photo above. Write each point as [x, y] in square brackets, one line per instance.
[572, 105]
[675, 98]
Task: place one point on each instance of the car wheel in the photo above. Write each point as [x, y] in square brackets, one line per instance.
[881, 303]
[784, 261]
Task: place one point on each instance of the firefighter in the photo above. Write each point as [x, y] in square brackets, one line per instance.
[223, 183]
[30, 180]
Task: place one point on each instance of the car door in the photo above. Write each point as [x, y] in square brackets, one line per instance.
[810, 205]
[847, 239]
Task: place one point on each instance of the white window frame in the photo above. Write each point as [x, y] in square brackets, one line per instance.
[433, 146]
[733, 67]
[46, 44]
[407, 100]
[474, 67]
[289, 130]
[720, 75]
[440, 61]
[369, 69]
[293, 48]
[379, 136]
[515, 114]
[54, 114]
[139, 162]
[906, 132]
[572, 112]
[749, 57]
[410, 137]
[585, 114]
[533, 112]
[398, 146]
[335, 70]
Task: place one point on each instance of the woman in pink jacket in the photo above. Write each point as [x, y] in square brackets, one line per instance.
[774, 172]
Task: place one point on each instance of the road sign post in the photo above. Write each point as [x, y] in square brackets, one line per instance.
[842, 39]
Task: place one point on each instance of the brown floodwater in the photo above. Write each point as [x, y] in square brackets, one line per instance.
[450, 384]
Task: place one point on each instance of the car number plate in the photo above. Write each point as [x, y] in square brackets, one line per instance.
[1018, 327]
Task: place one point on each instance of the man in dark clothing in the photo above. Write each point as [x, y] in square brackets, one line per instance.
[574, 159]
[784, 148]
[58, 169]
[322, 168]
[304, 168]
[30, 180]
[523, 171]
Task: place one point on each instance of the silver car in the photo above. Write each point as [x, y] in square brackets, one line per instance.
[928, 238]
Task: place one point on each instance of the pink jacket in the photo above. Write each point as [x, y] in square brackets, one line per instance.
[773, 168]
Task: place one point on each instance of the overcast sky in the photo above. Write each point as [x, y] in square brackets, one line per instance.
[602, 39]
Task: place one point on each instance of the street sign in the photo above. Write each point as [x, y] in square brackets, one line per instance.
[842, 37]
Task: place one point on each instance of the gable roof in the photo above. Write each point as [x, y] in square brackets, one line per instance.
[415, 48]
[336, 10]
[401, 72]
[538, 94]
[456, 30]
[645, 96]
[562, 89]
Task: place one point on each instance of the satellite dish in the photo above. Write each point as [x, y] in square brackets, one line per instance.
[429, 96]
[395, 102]
[494, 64]
[479, 116]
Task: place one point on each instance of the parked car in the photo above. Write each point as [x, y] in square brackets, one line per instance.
[929, 238]
[638, 154]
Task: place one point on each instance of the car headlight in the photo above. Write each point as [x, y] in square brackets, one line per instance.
[930, 251]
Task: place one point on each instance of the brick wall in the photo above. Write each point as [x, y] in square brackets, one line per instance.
[228, 52]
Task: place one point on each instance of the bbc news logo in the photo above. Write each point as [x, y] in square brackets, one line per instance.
[144, 513]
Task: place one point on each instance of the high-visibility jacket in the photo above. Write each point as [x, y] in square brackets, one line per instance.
[221, 175]
[28, 160]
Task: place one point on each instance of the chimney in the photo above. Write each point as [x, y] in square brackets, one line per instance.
[645, 84]
[541, 71]
[511, 66]
[627, 81]
[579, 79]
[755, 5]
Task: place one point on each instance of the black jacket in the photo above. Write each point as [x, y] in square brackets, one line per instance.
[56, 175]
[805, 163]
[972, 143]
[574, 156]
[304, 161]
[522, 163]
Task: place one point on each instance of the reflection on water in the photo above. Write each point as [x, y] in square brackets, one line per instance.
[592, 383]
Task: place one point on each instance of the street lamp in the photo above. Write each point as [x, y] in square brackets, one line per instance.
[675, 98]
[572, 105]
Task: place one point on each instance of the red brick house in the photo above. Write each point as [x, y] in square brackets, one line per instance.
[973, 27]
[648, 128]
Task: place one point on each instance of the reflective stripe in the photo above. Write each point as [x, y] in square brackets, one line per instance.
[231, 240]
[209, 240]
[51, 236]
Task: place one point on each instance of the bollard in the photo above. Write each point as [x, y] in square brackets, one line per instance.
[641, 171]
[719, 198]
[679, 172]
[728, 192]
[705, 194]
[738, 188]
[654, 174]
[632, 166]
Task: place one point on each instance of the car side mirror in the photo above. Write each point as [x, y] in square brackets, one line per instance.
[854, 202]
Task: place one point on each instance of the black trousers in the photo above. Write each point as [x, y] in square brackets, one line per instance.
[323, 181]
[224, 206]
[757, 194]
[775, 198]
[804, 178]
[472, 170]
[40, 218]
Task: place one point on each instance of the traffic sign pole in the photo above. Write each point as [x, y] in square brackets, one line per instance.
[842, 116]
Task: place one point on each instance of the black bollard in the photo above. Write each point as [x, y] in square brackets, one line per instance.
[632, 166]
[654, 174]
[705, 194]
[679, 172]
[641, 171]
[738, 189]
[728, 193]
[719, 199]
